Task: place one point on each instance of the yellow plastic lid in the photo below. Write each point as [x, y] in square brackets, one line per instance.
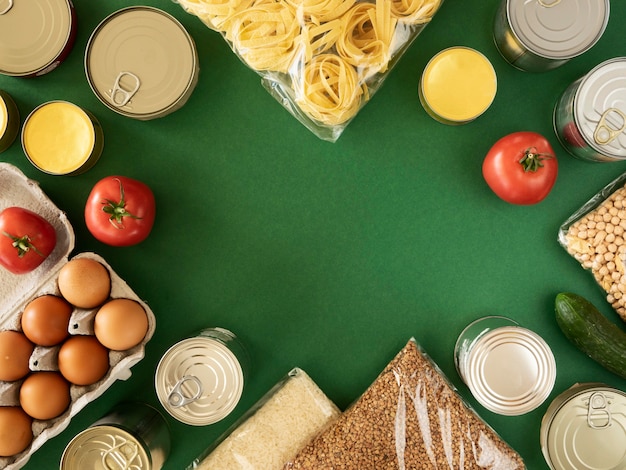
[458, 84]
[4, 117]
[58, 137]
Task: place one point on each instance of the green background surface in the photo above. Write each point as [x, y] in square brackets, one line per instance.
[330, 256]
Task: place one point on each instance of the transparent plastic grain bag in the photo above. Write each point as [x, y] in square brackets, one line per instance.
[595, 236]
[274, 429]
[409, 417]
[321, 59]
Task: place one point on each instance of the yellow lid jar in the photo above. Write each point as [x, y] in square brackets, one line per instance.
[458, 85]
[61, 138]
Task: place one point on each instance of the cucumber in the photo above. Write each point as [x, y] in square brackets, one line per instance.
[585, 326]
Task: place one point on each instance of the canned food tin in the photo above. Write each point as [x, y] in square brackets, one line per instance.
[61, 138]
[590, 115]
[141, 63]
[9, 120]
[509, 369]
[131, 436]
[585, 427]
[540, 35]
[200, 380]
[458, 85]
[35, 37]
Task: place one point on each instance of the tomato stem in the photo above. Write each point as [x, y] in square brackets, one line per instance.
[117, 210]
[23, 244]
[532, 159]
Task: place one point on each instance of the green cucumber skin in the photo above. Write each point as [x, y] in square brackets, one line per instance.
[585, 326]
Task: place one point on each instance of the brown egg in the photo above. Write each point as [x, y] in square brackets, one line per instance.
[45, 320]
[121, 324]
[45, 395]
[15, 352]
[84, 282]
[83, 360]
[16, 432]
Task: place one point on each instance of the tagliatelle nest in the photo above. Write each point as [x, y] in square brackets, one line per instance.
[414, 11]
[329, 90]
[368, 30]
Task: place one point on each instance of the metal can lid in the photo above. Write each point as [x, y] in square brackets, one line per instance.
[199, 381]
[579, 422]
[141, 62]
[511, 370]
[558, 29]
[105, 447]
[600, 107]
[32, 34]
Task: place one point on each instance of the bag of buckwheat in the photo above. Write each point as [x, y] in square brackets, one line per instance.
[595, 236]
[274, 429]
[410, 417]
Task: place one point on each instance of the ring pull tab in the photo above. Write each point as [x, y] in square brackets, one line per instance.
[598, 412]
[548, 5]
[122, 456]
[7, 8]
[177, 397]
[604, 132]
[121, 96]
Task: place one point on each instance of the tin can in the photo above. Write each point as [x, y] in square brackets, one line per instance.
[35, 37]
[9, 120]
[200, 380]
[509, 369]
[458, 85]
[131, 436]
[590, 116]
[540, 35]
[585, 427]
[61, 138]
[141, 63]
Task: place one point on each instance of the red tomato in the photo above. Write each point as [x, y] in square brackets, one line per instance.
[521, 168]
[120, 211]
[26, 239]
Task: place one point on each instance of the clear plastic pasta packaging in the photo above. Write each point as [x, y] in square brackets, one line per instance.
[409, 417]
[274, 429]
[595, 236]
[321, 59]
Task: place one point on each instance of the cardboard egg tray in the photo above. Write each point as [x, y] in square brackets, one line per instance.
[16, 291]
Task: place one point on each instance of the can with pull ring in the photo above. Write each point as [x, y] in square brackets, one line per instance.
[200, 380]
[590, 115]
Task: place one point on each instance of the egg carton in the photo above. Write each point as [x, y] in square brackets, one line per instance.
[16, 290]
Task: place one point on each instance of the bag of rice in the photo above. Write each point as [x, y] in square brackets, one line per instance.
[410, 417]
[273, 430]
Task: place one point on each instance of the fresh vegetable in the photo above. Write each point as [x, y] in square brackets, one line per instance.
[521, 168]
[594, 334]
[120, 211]
[26, 239]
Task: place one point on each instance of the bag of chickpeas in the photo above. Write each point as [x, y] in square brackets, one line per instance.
[595, 235]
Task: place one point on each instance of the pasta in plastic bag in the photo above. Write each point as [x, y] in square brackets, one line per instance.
[410, 417]
[274, 429]
[321, 59]
[595, 235]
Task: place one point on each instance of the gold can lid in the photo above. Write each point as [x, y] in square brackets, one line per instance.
[141, 62]
[585, 427]
[32, 34]
[105, 448]
[199, 381]
[4, 116]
